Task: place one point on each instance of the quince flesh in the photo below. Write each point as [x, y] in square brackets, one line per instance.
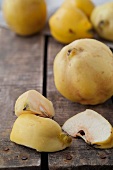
[107, 145]
[83, 72]
[25, 17]
[34, 102]
[92, 127]
[42, 134]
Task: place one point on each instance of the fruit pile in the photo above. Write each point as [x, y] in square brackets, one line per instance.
[75, 19]
[83, 73]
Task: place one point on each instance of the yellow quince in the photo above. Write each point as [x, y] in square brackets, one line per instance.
[69, 24]
[86, 6]
[25, 17]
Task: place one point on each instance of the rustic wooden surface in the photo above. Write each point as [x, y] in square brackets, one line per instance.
[79, 155]
[27, 63]
[21, 68]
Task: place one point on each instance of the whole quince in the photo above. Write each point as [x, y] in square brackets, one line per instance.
[25, 17]
[86, 6]
[69, 24]
[102, 20]
[83, 72]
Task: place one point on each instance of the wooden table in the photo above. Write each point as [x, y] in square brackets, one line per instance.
[27, 63]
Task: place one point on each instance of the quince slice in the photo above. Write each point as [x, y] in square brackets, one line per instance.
[91, 126]
[42, 134]
[35, 103]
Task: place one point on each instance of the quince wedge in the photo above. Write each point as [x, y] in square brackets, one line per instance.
[69, 24]
[42, 134]
[93, 128]
[86, 6]
[25, 17]
[35, 103]
[83, 72]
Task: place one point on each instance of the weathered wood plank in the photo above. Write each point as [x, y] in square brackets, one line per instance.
[21, 69]
[21, 59]
[79, 155]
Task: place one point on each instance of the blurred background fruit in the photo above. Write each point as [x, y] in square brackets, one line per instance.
[102, 20]
[25, 17]
[70, 23]
[86, 6]
[54, 5]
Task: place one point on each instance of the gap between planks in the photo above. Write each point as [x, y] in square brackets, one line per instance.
[44, 155]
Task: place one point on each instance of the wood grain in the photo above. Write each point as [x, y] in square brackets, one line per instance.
[21, 69]
[80, 155]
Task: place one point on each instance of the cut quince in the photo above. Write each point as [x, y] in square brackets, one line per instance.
[92, 127]
[35, 103]
[86, 6]
[69, 24]
[42, 134]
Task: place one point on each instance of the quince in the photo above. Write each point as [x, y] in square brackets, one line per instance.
[86, 6]
[68, 24]
[93, 128]
[25, 17]
[102, 20]
[83, 72]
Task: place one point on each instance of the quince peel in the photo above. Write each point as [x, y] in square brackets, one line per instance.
[42, 134]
